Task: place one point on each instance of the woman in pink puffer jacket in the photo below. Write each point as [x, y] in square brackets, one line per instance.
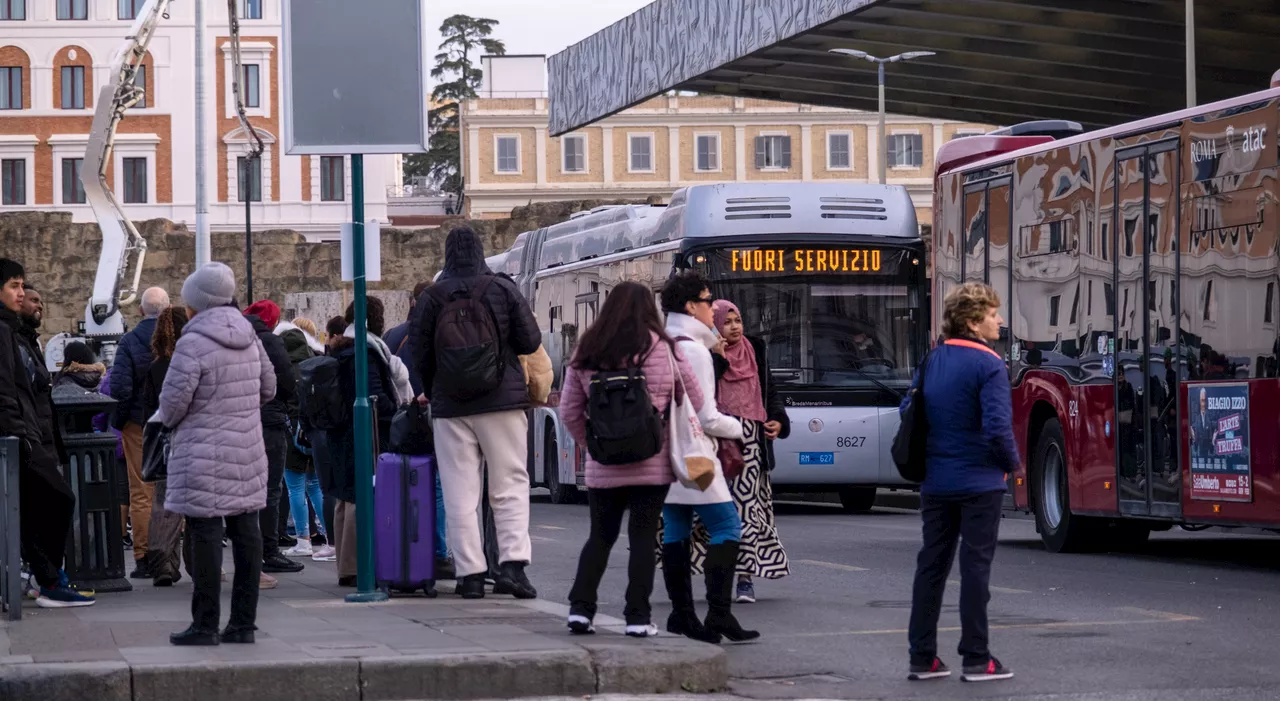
[218, 380]
[627, 333]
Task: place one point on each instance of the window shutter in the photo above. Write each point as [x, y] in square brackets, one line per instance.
[786, 151]
[917, 150]
[892, 143]
[760, 152]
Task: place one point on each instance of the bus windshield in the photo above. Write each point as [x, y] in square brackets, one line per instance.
[828, 317]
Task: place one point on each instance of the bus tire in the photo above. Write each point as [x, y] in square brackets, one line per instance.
[560, 494]
[858, 500]
[1061, 531]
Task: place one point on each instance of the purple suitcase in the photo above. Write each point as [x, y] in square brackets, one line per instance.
[404, 509]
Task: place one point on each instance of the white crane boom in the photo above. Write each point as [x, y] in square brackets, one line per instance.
[121, 241]
[113, 285]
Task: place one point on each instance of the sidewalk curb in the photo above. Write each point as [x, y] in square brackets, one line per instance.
[600, 666]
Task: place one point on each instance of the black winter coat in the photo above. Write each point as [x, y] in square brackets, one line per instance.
[20, 402]
[152, 385]
[398, 341]
[773, 405]
[129, 372]
[275, 413]
[518, 333]
[42, 383]
[335, 450]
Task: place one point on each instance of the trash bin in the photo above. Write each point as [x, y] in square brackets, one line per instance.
[10, 546]
[95, 549]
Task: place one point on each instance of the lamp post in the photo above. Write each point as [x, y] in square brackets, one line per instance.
[880, 62]
[1191, 53]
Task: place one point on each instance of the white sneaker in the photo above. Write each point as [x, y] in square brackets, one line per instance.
[647, 630]
[325, 553]
[580, 625]
[302, 549]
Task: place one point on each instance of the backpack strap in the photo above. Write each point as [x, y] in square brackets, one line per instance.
[678, 381]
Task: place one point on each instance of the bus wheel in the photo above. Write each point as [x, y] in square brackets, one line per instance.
[858, 500]
[551, 467]
[1061, 531]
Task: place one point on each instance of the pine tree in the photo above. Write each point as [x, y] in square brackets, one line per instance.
[465, 39]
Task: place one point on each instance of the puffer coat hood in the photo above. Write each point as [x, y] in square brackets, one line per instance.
[218, 380]
[463, 254]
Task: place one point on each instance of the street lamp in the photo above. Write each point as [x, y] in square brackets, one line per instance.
[880, 62]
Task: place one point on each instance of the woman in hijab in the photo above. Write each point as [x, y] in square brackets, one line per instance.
[745, 389]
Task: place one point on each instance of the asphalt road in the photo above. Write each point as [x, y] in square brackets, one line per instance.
[1187, 616]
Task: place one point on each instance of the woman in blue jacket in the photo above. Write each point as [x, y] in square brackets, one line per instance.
[969, 454]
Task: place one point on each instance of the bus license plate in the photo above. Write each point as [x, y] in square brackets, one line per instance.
[817, 458]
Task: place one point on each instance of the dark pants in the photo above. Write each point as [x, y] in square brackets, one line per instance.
[330, 504]
[206, 551]
[277, 442]
[973, 522]
[46, 513]
[164, 538]
[607, 507]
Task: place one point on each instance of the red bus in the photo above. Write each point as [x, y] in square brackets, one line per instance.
[1138, 269]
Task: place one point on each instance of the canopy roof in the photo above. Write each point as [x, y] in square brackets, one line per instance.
[1097, 62]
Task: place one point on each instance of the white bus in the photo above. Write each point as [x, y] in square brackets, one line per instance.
[830, 275]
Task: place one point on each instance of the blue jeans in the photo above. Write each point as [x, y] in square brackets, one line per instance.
[442, 546]
[721, 521]
[301, 488]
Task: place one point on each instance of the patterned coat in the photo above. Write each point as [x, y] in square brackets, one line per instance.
[218, 380]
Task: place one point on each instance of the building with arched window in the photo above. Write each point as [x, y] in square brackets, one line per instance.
[54, 58]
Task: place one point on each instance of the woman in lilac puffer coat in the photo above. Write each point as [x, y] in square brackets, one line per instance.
[218, 380]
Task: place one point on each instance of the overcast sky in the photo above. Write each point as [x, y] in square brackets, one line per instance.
[533, 26]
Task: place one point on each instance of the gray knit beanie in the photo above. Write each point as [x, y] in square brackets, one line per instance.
[213, 285]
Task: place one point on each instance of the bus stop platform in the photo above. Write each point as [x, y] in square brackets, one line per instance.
[313, 646]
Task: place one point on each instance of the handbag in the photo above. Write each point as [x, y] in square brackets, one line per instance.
[909, 444]
[692, 452]
[411, 432]
[156, 446]
[729, 453]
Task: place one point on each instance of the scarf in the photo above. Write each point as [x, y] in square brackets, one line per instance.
[739, 389]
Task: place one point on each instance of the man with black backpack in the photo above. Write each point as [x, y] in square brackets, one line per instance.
[470, 328]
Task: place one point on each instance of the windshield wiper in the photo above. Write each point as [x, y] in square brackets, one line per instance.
[900, 395]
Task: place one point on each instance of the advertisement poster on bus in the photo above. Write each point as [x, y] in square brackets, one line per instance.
[1219, 442]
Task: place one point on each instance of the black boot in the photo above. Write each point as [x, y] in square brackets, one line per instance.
[194, 636]
[719, 569]
[678, 575]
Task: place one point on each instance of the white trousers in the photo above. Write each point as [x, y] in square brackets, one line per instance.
[464, 446]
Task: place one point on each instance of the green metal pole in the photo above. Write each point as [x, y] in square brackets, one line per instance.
[363, 413]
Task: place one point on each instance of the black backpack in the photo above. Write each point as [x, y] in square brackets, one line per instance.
[909, 444]
[469, 362]
[321, 401]
[622, 424]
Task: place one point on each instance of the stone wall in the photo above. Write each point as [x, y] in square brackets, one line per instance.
[61, 258]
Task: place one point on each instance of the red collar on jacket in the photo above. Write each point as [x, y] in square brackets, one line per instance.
[972, 344]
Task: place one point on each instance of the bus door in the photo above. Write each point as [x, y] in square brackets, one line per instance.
[1147, 367]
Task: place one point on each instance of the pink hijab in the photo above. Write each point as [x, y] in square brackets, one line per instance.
[739, 389]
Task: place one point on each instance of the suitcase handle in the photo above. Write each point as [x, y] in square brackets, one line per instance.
[413, 523]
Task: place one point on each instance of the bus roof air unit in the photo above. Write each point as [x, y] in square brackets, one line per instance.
[757, 208]
[1053, 128]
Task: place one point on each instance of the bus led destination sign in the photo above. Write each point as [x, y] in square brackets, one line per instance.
[804, 261]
